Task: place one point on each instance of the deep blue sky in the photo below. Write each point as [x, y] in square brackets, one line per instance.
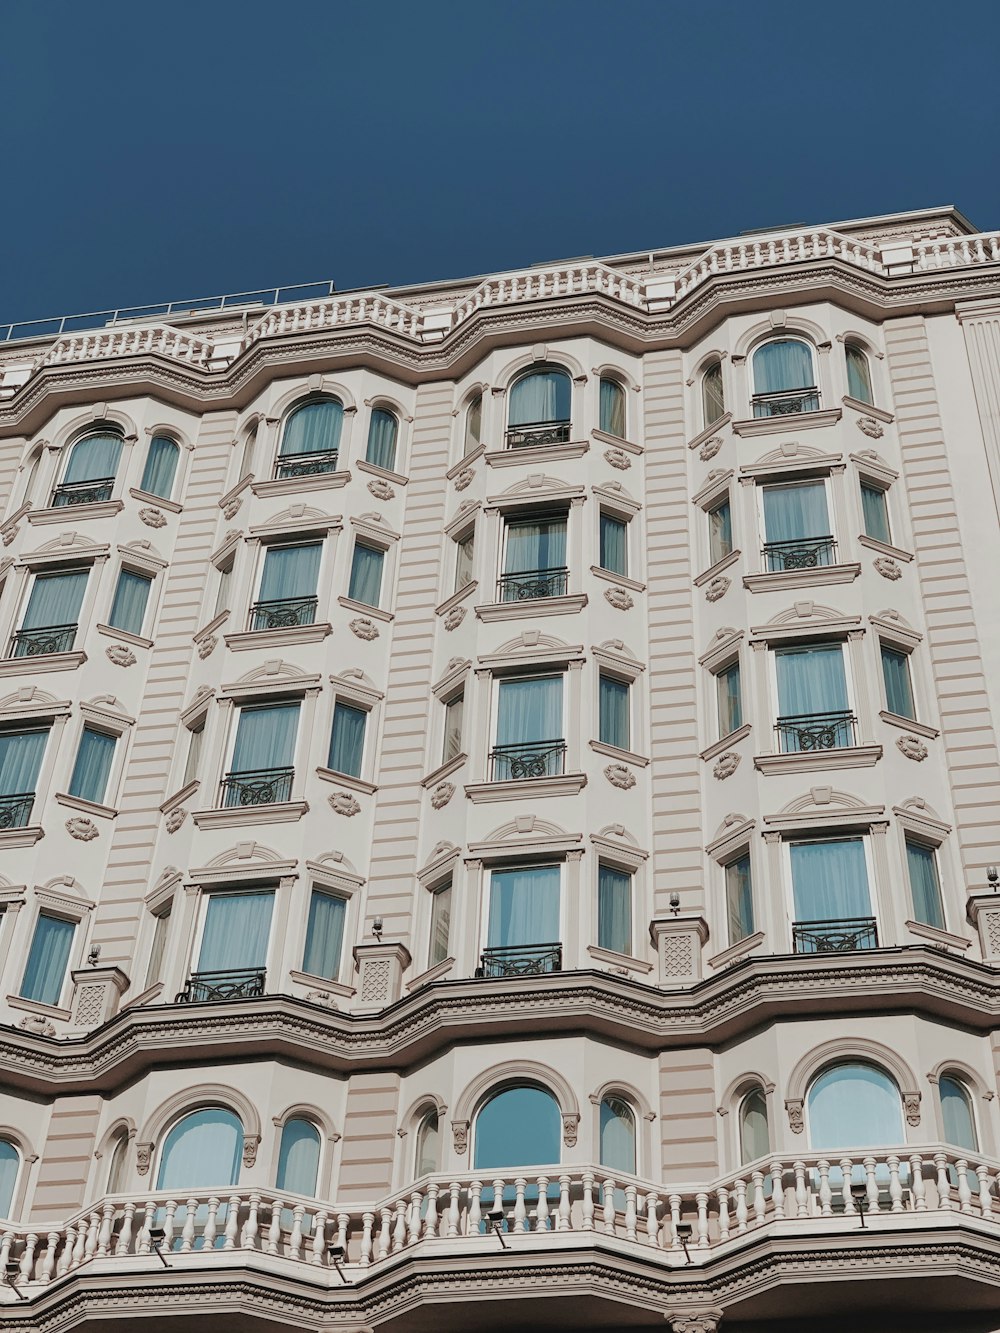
[192, 147]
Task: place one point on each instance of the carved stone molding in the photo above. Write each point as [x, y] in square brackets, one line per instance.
[250, 1144]
[726, 765]
[460, 1136]
[911, 1106]
[702, 1321]
[618, 458]
[571, 1123]
[464, 478]
[870, 427]
[620, 776]
[120, 655]
[710, 448]
[717, 588]
[231, 507]
[619, 599]
[206, 646]
[454, 617]
[913, 747]
[364, 628]
[153, 518]
[38, 1024]
[887, 567]
[381, 489]
[796, 1123]
[322, 997]
[84, 830]
[442, 794]
[343, 803]
[143, 1157]
[10, 533]
[175, 818]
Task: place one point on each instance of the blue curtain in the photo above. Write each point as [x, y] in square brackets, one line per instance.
[730, 699]
[93, 765]
[9, 1164]
[93, 459]
[313, 428]
[896, 673]
[614, 713]
[324, 935]
[55, 600]
[542, 396]
[614, 545]
[617, 1135]
[811, 680]
[925, 885]
[366, 574]
[782, 364]
[956, 1112]
[524, 906]
[830, 880]
[720, 531]
[854, 1106]
[739, 899]
[290, 572]
[128, 609]
[347, 739]
[540, 544]
[298, 1158]
[876, 513]
[382, 439]
[612, 408]
[161, 467]
[793, 513]
[202, 1151]
[530, 710]
[237, 929]
[755, 1141]
[518, 1127]
[20, 759]
[614, 909]
[47, 959]
[265, 738]
[859, 381]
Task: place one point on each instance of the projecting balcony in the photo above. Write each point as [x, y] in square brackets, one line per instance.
[82, 492]
[305, 465]
[39, 642]
[15, 810]
[790, 402]
[520, 960]
[844, 936]
[799, 553]
[261, 786]
[534, 433]
[283, 613]
[816, 731]
[527, 759]
[532, 585]
[233, 984]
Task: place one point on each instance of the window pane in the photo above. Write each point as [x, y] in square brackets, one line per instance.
[781, 365]
[128, 609]
[196, 736]
[617, 1135]
[222, 593]
[876, 513]
[811, 680]
[117, 1172]
[713, 400]
[237, 929]
[249, 449]
[614, 713]
[161, 467]
[614, 545]
[727, 684]
[202, 1150]
[47, 959]
[366, 574]
[453, 711]
[830, 880]
[265, 738]
[298, 1158]
[55, 600]
[382, 440]
[896, 673]
[20, 759]
[428, 1136]
[542, 396]
[93, 766]
[854, 1106]
[720, 531]
[474, 424]
[859, 380]
[347, 740]
[754, 1139]
[464, 560]
[925, 885]
[518, 1127]
[614, 909]
[793, 513]
[313, 428]
[739, 899]
[524, 906]
[536, 545]
[9, 1164]
[160, 929]
[290, 572]
[440, 925]
[956, 1112]
[93, 459]
[324, 935]
[612, 408]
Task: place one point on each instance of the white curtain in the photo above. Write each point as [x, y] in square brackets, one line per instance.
[265, 738]
[754, 1139]
[93, 459]
[382, 440]
[290, 572]
[237, 928]
[617, 1135]
[9, 1164]
[925, 885]
[347, 739]
[782, 364]
[793, 513]
[811, 680]
[739, 899]
[93, 765]
[161, 467]
[541, 397]
[712, 395]
[298, 1158]
[612, 408]
[613, 709]
[47, 959]
[474, 424]
[201, 1151]
[830, 880]
[854, 1106]
[128, 609]
[524, 906]
[313, 428]
[440, 924]
[614, 909]
[20, 759]
[720, 531]
[464, 561]
[55, 600]
[324, 935]
[518, 1127]
[366, 574]
[956, 1112]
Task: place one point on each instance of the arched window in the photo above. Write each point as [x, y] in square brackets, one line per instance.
[859, 377]
[474, 424]
[617, 1135]
[202, 1150]
[784, 379]
[519, 1126]
[161, 467]
[90, 470]
[118, 1169]
[755, 1140]
[10, 1162]
[854, 1105]
[956, 1113]
[612, 408]
[428, 1144]
[298, 1158]
[382, 431]
[539, 410]
[311, 438]
[712, 394]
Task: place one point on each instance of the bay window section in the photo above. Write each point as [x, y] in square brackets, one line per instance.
[454, 710]
[956, 1113]
[232, 958]
[311, 439]
[859, 379]
[161, 467]
[382, 431]
[813, 709]
[324, 935]
[898, 687]
[534, 564]
[465, 554]
[739, 898]
[21, 755]
[614, 544]
[347, 739]
[540, 404]
[713, 399]
[797, 527]
[875, 511]
[298, 1158]
[440, 924]
[51, 617]
[48, 959]
[831, 900]
[261, 772]
[366, 574]
[92, 769]
[523, 936]
[613, 713]
[612, 416]
[529, 734]
[128, 607]
[90, 471]
[158, 948]
[614, 909]
[720, 532]
[925, 884]
[730, 699]
[784, 380]
[474, 424]
[288, 581]
[196, 737]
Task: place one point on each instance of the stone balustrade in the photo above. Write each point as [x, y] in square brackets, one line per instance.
[336, 311]
[769, 251]
[957, 251]
[103, 344]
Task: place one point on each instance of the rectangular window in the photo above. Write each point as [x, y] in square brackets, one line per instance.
[48, 958]
[529, 728]
[453, 711]
[236, 932]
[813, 710]
[93, 765]
[195, 738]
[797, 527]
[832, 903]
[925, 884]
[261, 771]
[288, 583]
[222, 590]
[739, 899]
[613, 721]
[614, 544]
[440, 924]
[128, 608]
[534, 559]
[524, 907]
[614, 909]
[875, 509]
[347, 739]
[720, 532]
[324, 935]
[465, 552]
[21, 755]
[366, 574]
[52, 614]
[896, 674]
[161, 926]
[727, 685]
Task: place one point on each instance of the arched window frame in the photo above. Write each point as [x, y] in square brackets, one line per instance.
[497, 1090]
[161, 1142]
[33, 483]
[792, 401]
[111, 490]
[611, 377]
[555, 430]
[200, 1097]
[642, 1118]
[753, 1089]
[387, 409]
[472, 440]
[331, 459]
[844, 1063]
[712, 367]
[309, 1121]
[861, 349]
[423, 1121]
[26, 1159]
[122, 1128]
[329, 1138]
[981, 1096]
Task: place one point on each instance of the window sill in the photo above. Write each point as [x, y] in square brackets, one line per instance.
[943, 938]
[38, 666]
[869, 409]
[737, 952]
[346, 780]
[443, 770]
[619, 580]
[531, 609]
[86, 807]
[613, 752]
[434, 973]
[620, 962]
[713, 428]
[726, 742]
[326, 983]
[793, 421]
[817, 577]
[180, 796]
[124, 636]
[63, 513]
[817, 761]
[909, 724]
[171, 506]
[884, 548]
[243, 640]
[317, 481]
[37, 1007]
[215, 623]
[281, 812]
[617, 442]
[21, 837]
[457, 598]
[396, 477]
[536, 453]
[471, 457]
[713, 571]
[364, 609]
[526, 789]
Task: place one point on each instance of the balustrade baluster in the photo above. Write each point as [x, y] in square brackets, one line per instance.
[104, 1238]
[343, 1222]
[778, 1190]
[740, 1186]
[399, 1230]
[565, 1219]
[169, 1213]
[701, 1198]
[248, 1237]
[723, 1195]
[917, 1183]
[801, 1196]
[630, 1212]
[895, 1185]
[367, 1224]
[846, 1192]
[475, 1218]
[385, 1233]
[608, 1190]
[48, 1265]
[542, 1211]
[964, 1192]
[274, 1230]
[520, 1184]
[66, 1257]
[825, 1200]
[587, 1222]
[652, 1220]
[985, 1187]
[80, 1248]
[125, 1234]
[28, 1257]
[413, 1217]
[211, 1228]
[871, 1186]
[943, 1187]
[431, 1217]
[318, 1247]
[233, 1222]
[454, 1215]
[759, 1202]
[6, 1241]
[675, 1221]
[187, 1231]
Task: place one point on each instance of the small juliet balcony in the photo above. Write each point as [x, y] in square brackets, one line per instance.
[532, 585]
[799, 553]
[527, 759]
[260, 786]
[282, 613]
[246, 983]
[43, 640]
[83, 492]
[305, 465]
[533, 433]
[520, 960]
[790, 402]
[15, 810]
[816, 731]
[843, 936]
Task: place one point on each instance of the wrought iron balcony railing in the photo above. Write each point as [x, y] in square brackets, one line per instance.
[82, 492]
[529, 759]
[38, 642]
[787, 403]
[533, 433]
[532, 584]
[520, 960]
[845, 936]
[816, 731]
[262, 786]
[240, 983]
[799, 553]
[283, 612]
[305, 465]
[15, 810]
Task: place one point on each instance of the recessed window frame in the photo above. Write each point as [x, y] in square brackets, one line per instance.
[757, 393]
[625, 683]
[710, 401]
[99, 717]
[867, 483]
[723, 669]
[554, 672]
[353, 690]
[539, 863]
[304, 401]
[242, 705]
[464, 558]
[850, 684]
[175, 482]
[862, 834]
[94, 430]
[62, 907]
[537, 514]
[771, 483]
[289, 542]
[858, 348]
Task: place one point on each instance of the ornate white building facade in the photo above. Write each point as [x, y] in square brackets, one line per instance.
[499, 791]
